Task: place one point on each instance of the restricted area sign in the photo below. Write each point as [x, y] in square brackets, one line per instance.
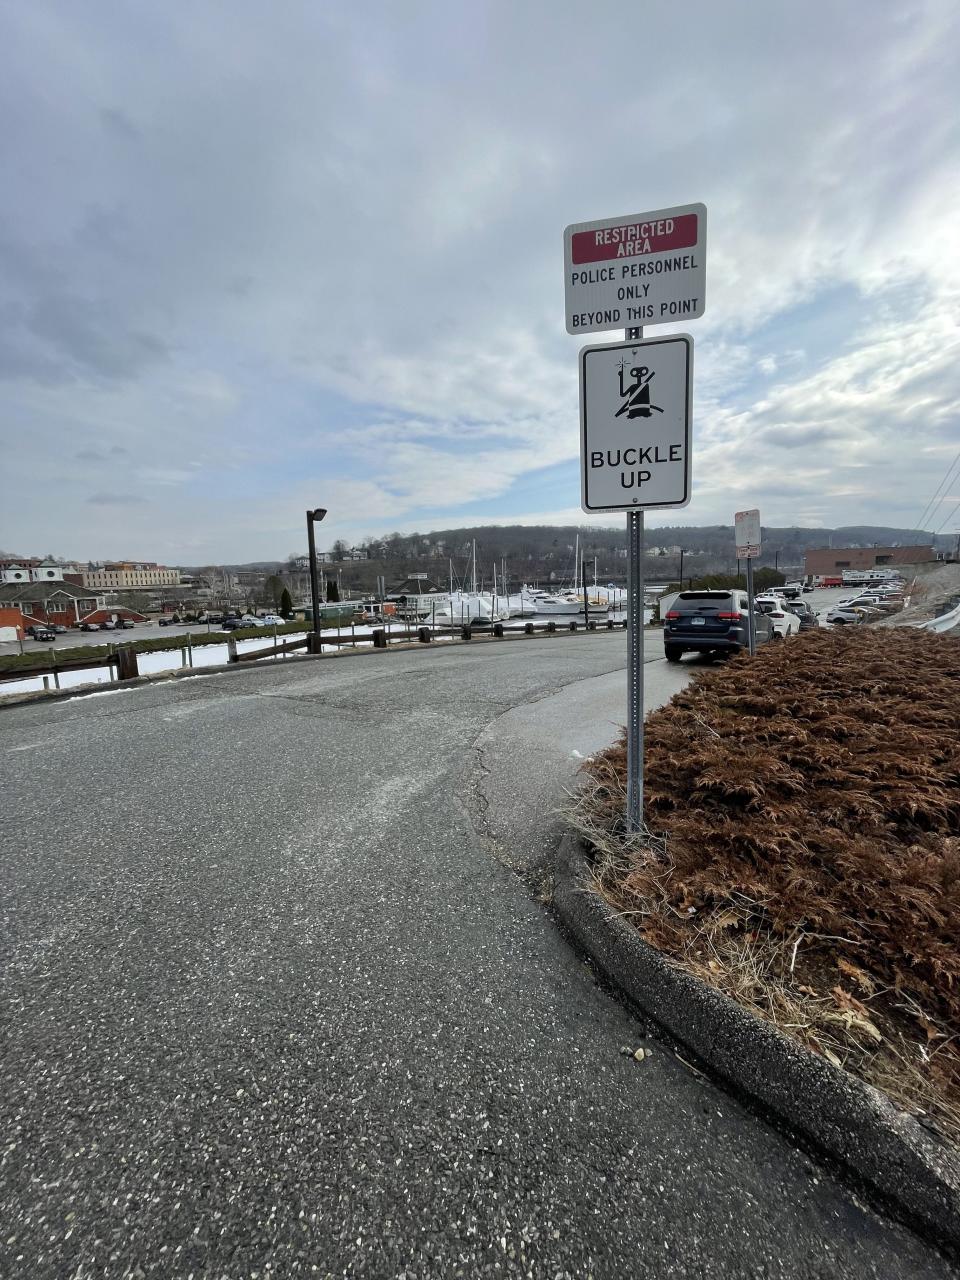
[746, 526]
[635, 424]
[647, 268]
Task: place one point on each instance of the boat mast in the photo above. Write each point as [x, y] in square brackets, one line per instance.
[474, 566]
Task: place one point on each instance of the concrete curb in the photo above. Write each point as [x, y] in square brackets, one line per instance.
[905, 1168]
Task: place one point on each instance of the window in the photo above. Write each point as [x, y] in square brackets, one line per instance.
[883, 559]
[841, 564]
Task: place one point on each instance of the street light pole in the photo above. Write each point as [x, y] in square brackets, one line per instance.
[681, 568]
[317, 514]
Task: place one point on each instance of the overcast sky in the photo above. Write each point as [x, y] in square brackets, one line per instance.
[260, 256]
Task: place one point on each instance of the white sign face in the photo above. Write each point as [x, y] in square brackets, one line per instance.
[648, 268]
[747, 532]
[635, 424]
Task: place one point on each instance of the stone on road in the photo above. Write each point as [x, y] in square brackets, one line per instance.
[272, 1007]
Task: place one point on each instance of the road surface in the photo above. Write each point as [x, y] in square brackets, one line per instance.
[275, 1005]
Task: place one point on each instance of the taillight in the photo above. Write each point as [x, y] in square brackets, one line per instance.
[672, 615]
[730, 617]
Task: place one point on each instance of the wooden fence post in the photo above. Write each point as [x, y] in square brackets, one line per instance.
[127, 668]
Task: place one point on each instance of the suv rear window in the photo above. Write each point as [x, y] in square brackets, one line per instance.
[704, 595]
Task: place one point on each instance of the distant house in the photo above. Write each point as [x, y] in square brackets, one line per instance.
[59, 603]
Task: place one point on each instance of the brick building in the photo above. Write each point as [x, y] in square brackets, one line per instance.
[127, 575]
[59, 603]
[829, 560]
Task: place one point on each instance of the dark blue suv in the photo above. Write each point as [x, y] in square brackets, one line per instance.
[710, 622]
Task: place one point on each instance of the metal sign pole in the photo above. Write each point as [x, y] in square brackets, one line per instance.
[752, 624]
[634, 658]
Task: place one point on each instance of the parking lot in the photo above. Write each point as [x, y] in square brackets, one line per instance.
[821, 600]
[141, 631]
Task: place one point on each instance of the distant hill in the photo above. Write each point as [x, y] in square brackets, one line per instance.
[545, 552]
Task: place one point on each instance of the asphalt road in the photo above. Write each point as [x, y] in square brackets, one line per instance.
[274, 1005]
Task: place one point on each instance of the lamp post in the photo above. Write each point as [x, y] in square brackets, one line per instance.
[683, 551]
[314, 517]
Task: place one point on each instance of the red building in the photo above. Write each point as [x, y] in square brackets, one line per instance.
[831, 560]
[59, 603]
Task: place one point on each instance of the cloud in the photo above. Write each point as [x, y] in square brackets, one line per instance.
[332, 258]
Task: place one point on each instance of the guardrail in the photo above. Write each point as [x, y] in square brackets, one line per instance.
[123, 663]
[122, 659]
[380, 637]
[946, 622]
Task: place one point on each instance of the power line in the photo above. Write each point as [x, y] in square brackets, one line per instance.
[949, 517]
[933, 503]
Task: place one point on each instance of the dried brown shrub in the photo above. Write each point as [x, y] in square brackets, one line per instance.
[805, 855]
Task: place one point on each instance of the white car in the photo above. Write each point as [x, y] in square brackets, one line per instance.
[272, 620]
[783, 622]
[843, 615]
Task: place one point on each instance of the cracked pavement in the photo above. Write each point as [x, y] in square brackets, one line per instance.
[272, 1006]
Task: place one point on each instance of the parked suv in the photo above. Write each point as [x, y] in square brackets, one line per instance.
[710, 622]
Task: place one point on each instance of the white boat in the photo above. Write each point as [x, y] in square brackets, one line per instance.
[463, 607]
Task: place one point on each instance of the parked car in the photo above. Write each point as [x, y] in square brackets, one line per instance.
[108, 625]
[234, 624]
[273, 620]
[842, 616]
[784, 622]
[40, 631]
[59, 628]
[172, 621]
[124, 624]
[89, 626]
[808, 618]
[711, 622]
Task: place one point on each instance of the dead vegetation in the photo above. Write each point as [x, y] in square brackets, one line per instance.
[805, 850]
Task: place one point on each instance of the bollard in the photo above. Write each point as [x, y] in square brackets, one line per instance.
[466, 632]
[498, 629]
[127, 668]
[609, 624]
[423, 635]
[624, 624]
[574, 625]
[46, 682]
[379, 638]
[551, 626]
[231, 649]
[592, 624]
[183, 656]
[528, 629]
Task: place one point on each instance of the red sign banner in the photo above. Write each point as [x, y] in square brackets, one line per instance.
[635, 239]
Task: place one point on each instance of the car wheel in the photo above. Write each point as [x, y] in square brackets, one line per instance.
[672, 653]
[776, 635]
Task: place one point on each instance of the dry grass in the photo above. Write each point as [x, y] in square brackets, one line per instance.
[806, 861]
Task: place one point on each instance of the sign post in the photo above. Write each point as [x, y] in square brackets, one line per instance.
[635, 453]
[647, 268]
[746, 526]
